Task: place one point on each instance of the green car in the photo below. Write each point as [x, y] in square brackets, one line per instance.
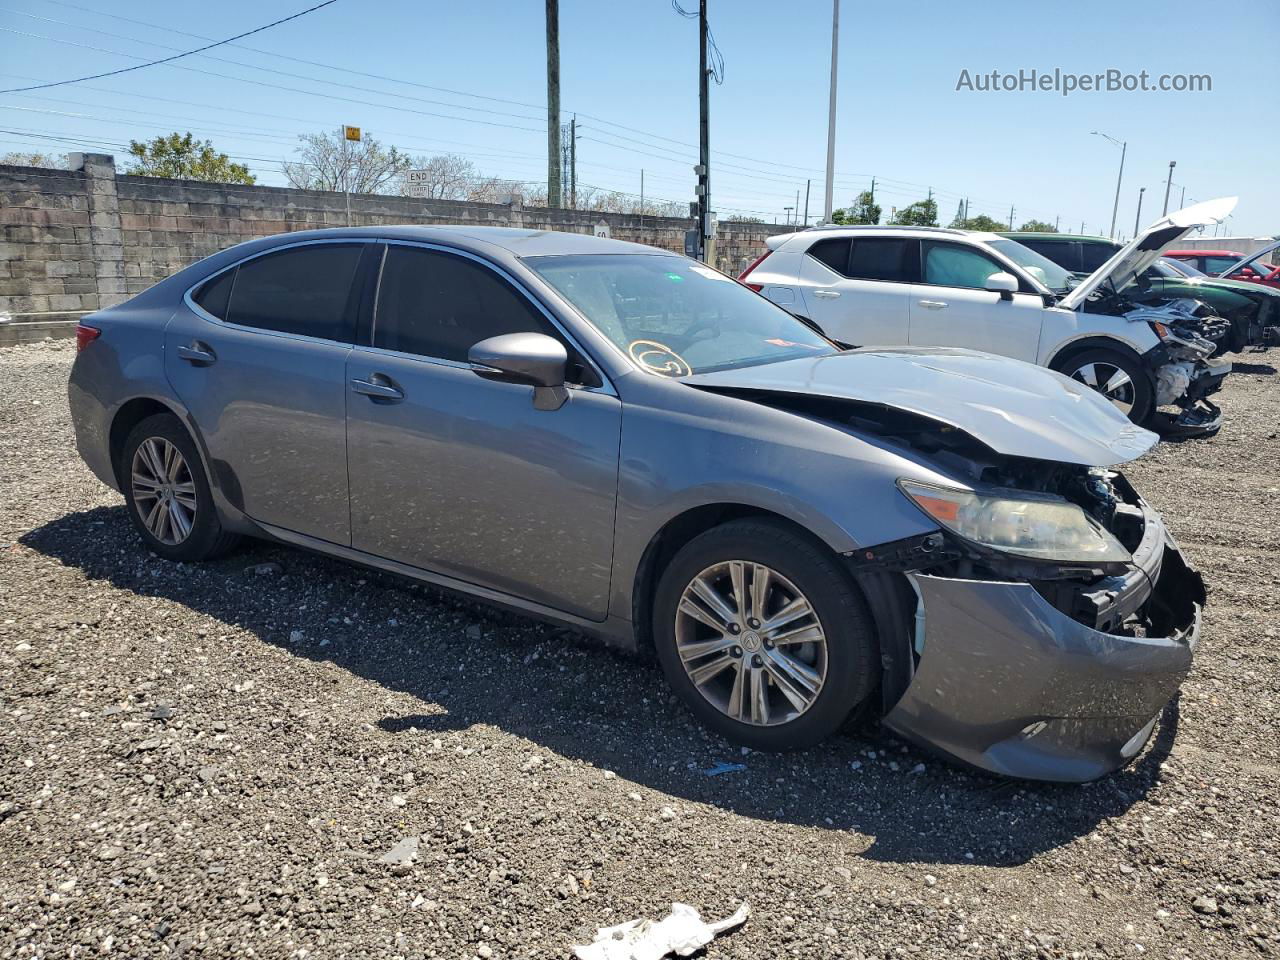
[1253, 310]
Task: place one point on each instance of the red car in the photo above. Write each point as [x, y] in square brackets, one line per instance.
[1232, 265]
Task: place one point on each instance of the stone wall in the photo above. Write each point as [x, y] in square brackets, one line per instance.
[78, 240]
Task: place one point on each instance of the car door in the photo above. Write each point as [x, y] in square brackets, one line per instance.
[858, 290]
[950, 308]
[258, 357]
[462, 475]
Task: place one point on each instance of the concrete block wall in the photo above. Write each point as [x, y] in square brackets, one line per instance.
[79, 240]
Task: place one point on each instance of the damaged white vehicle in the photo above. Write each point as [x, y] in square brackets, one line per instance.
[931, 286]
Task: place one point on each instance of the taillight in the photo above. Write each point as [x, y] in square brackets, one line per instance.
[85, 335]
[742, 277]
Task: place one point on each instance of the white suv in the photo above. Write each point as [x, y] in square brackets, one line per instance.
[930, 286]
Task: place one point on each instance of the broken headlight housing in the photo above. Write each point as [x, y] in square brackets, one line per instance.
[1041, 528]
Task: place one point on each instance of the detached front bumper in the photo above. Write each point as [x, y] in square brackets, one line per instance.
[1008, 683]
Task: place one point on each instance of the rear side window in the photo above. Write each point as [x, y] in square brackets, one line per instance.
[439, 305]
[1216, 265]
[834, 252]
[1094, 255]
[214, 295]
[304, 290]
[880, 258]
[1063, 253]
[952, 265]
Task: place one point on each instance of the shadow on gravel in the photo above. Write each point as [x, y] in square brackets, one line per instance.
[470, 665]
[1262, 369]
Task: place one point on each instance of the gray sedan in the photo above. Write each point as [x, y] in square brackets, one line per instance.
[627, 441]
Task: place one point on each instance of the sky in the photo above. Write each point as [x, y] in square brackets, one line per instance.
[470, 79]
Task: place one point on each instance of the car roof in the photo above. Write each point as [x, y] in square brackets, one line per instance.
[1050, 235]
[517, 241]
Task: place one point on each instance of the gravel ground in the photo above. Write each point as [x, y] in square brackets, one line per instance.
[210, 761]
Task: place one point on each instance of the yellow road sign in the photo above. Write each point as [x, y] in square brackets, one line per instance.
[351, 133]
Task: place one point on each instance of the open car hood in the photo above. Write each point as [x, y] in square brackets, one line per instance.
[1248, 258]
[1015, 408]
[1132, 260]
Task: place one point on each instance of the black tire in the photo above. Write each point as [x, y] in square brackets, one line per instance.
[840, 608]
[1143, 390]
[206, 538]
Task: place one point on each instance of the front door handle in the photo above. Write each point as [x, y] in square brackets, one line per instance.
[826, 294]
[379, 387]
[198, 354]
[932, 304]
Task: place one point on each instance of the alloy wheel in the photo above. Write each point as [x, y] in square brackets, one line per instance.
[164, 491]
[1110, 381]
[751, 643]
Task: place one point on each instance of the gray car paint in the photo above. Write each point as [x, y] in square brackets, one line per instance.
[680, 446]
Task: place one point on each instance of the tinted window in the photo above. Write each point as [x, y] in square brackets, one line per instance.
[1215, 265]
[880, 258]
[440, 305]
[213, 296]
[304, 290]
[1059, 252]
[1094, 255]
[951, 265]
[834, 253]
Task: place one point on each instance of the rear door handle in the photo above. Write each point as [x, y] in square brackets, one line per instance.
[826, 294]
[198, 354]
[379, 387]
[932, 304]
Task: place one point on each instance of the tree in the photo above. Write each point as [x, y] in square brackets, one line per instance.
[864, 210]
[1038, 226]
[181, 157]
[446, 176]
[981, 222]
[922, 213]
[740, 218]
[329, 161]
[24, 159]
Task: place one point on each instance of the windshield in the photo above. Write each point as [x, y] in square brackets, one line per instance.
[674, 316]
[1042, 268]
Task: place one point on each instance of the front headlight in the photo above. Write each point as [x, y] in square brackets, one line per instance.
[1042, 528]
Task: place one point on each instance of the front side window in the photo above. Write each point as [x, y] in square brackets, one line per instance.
[674, 316]
[951, 265]
[305, 290]
[439, 305]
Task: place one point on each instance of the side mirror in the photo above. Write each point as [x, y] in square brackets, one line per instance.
[1005, 284]
[532, 358]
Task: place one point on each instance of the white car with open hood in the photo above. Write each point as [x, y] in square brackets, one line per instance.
[931, 286]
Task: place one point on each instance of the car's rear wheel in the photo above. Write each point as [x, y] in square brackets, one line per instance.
[168, 493]
[1119, 378]
[763, 635]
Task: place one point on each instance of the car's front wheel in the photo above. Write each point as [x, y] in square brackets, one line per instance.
[168, 494]
[1119, 378]
[763, 635]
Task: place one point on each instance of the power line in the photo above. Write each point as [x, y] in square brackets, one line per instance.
[178, 56]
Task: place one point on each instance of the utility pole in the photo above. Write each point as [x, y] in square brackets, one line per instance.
[1082, 228]
[1183, 202]
[1167, 184]
[1115, 207]
[1137, 217]
[807, 185]
[573, 162]
[705, 249]
[831, 112]
[553, 103]
[796, 219]
[1057, 221]
[1010, 216]
[787, 217]
[642, 191]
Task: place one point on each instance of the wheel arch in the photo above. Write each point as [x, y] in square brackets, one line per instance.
[1068, 350]
[127, 416]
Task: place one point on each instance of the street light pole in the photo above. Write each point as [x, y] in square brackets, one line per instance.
[831, 112]
[1137, 217]
[1167, 185]
[1115, 207]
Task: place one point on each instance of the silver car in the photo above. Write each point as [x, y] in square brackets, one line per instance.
[629, 442]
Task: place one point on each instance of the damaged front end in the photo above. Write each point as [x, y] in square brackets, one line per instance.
[1020, 663]
[1183, 372]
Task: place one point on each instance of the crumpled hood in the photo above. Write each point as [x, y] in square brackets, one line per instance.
[1015, 408]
